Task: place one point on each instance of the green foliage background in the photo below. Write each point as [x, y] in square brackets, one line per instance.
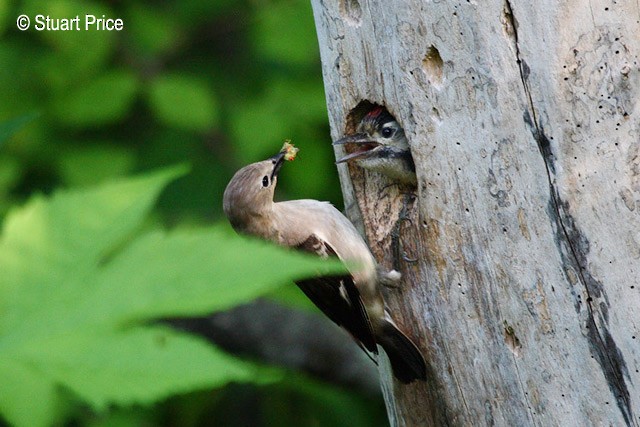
[213, 84]
[216, 83]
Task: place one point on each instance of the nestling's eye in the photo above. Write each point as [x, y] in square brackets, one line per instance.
[387, 132]
[265, 181]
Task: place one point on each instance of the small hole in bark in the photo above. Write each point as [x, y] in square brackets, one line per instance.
[351, 12]
[432, 66]
[363, 108]
[512, 341]
[435, 115]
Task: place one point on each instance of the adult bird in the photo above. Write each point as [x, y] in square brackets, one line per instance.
[352, 300]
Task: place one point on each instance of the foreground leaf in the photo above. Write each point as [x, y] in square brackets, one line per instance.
[19, 384]
[79, 297]
[138, 365]
[50, 244]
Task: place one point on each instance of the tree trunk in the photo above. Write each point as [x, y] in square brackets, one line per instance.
[521, 250]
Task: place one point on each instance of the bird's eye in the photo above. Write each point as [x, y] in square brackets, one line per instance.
[265, 181]
[387, 132]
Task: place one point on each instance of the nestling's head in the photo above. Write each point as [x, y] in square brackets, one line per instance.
[380, 145]
[250, 191]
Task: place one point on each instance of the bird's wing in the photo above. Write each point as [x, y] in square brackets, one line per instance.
[338, 297]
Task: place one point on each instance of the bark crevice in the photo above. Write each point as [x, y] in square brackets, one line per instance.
[512, 26]
[573, 246]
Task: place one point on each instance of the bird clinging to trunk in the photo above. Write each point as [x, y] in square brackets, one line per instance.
[380, 145]
[353, 300]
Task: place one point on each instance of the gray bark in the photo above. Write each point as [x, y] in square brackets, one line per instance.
[523, 119]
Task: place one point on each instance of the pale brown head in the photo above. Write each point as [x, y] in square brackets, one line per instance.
[249, 194]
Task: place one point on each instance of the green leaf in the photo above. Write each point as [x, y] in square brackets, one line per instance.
[104, 100]
[285, 32]
[79, 295]
[292, 296]
[5, 16]
[183, 102]
[138, 365]
[152, 30]
[9, 174]
[19, 384]
[179, 271]
[10, 127]
[281, 110]
[50, 243]
[95, 163]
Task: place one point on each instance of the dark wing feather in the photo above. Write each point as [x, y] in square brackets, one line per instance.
[338, 297]
[317, 246]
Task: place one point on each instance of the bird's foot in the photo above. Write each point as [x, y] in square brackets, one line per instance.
[389, 279]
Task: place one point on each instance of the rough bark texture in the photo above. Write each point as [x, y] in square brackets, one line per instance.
[523, 119]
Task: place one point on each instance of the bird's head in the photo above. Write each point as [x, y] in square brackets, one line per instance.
[380, 144]
[250, 191]
[377, 131]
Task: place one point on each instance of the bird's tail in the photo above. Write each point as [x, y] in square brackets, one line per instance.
[406, 360]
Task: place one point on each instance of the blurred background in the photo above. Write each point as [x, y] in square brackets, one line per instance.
[215, 84]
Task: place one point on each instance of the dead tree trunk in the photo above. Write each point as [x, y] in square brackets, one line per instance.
[521, 258]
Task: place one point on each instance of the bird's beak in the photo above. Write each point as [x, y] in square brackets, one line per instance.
[362, 143]
[279, 161]
[356, 138]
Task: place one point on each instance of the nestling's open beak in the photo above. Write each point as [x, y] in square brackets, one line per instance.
[363, 144]
[278, 160]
